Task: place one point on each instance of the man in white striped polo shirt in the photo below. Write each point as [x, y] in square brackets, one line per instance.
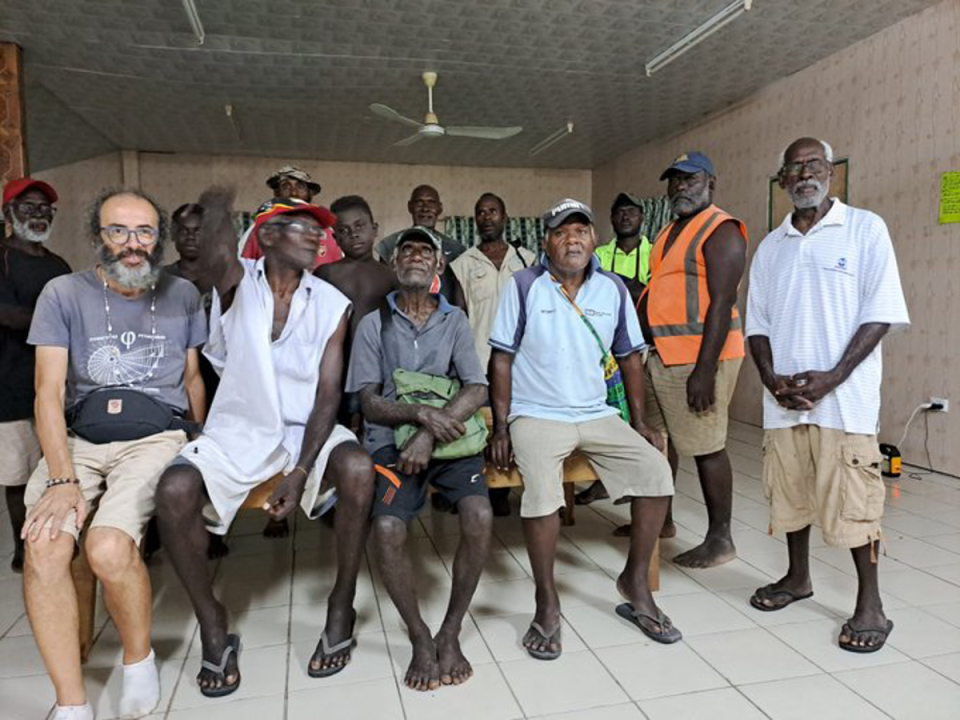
[824, 290]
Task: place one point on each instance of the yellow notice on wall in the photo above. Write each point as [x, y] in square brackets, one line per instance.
[950, 198]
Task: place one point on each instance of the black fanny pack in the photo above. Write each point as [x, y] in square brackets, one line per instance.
[120, 414]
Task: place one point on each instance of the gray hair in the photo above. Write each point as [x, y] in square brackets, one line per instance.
[93, 213]
[827, 152]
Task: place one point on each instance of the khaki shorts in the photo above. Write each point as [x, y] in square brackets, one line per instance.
[652, 415]
[813, 474]
[19, 452]
[627, 464]
[693, 434]
[118, 480]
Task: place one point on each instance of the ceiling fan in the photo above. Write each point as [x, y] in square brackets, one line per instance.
[431, 127]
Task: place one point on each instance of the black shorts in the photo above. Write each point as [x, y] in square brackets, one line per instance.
[403, 496]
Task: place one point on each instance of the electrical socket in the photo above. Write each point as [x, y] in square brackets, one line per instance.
[941, 401]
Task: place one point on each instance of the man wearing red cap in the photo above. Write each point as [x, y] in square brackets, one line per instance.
[25, 267]
[277, 341]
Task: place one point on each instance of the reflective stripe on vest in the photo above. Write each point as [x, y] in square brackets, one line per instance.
[678, 335]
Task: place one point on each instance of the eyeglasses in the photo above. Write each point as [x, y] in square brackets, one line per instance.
[816, 166]
[33, 209]
[310, 231]
[120, 235]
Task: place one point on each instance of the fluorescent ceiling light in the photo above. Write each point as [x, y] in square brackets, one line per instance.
[730, 13]
[552, 139]
[194, 18]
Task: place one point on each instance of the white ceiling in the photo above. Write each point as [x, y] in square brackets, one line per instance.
[107, 74]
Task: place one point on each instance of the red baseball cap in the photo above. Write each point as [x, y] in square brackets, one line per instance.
[286, 206]
[16, 188]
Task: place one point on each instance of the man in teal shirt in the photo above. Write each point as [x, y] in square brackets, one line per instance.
[628, 254]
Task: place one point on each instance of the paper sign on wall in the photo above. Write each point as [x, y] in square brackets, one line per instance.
[950, 198]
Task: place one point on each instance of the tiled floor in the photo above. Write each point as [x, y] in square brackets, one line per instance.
[734, 662]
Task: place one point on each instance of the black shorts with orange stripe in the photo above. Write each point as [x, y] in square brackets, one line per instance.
[402, 496]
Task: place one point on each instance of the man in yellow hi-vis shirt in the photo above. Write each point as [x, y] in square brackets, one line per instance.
[628, 254]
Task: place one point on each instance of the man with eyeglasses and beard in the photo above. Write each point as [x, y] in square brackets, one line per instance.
[689, 310]
[824, 290]
[25, 267]
[117, 371]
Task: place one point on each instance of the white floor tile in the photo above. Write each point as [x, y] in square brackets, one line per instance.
[817, 641]
[725, 704]
[263, 673]
[732, 575]
[628, 711]
[575, 681]
[749, 656]
[375, 699]
[948, 611]
[918, 587]
[950, 573]
[819, 696]
[256, 709]
[485, 696]
[11, 617]
[19, 657]
[918, 553]
[27, 697]
[503, 633]
[907, 691]
[702, 613]
[370, 660]
[650, 670]
[946, 665]
[920, 635]
[599, 626]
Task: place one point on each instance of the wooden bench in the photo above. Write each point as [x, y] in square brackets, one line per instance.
[576, 469]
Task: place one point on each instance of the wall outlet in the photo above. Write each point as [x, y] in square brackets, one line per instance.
[940, 401]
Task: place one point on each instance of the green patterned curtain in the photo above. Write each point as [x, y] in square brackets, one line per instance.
[529, 230]
[656, 215]
[526, 230]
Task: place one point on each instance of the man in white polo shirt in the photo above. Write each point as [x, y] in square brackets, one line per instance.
[557, 323]
[824, 290]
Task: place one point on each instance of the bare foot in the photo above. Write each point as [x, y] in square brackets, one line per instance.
[424, 671]
[711, 552]
[454, 667]
[275, 529]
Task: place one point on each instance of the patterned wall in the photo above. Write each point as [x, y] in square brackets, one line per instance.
[890, 103]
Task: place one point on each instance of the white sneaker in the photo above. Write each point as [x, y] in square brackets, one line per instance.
[141, 688]
[73, 712]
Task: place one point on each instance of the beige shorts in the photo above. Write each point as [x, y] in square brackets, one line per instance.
[652, 415]
[118, 480]
[627, 464]
[19, 452]
[813, 474]
[693, 434]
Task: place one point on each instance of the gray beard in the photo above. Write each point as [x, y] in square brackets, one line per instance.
[804, 202]
[138, 278]
[22, 230]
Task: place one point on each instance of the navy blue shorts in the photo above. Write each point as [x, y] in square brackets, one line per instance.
[403, 496]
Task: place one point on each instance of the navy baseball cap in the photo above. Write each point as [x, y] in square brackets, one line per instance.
[690, 162]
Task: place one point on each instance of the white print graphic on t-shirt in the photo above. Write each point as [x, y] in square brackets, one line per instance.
[111, 364]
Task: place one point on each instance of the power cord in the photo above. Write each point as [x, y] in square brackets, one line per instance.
[920, 474]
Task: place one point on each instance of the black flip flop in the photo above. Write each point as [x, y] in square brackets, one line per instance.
[666, 637]
[851, 631]
[545, 654]
[233, 646]
[326, 650]
[768, 593]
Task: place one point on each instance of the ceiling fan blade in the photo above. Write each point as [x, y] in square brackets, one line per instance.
[388, 113]
[486, 133]
[416, 137]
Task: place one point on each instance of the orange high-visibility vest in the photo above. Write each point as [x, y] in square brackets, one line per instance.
[677, 295]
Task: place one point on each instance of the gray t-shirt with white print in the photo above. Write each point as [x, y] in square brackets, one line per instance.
[139, 343]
